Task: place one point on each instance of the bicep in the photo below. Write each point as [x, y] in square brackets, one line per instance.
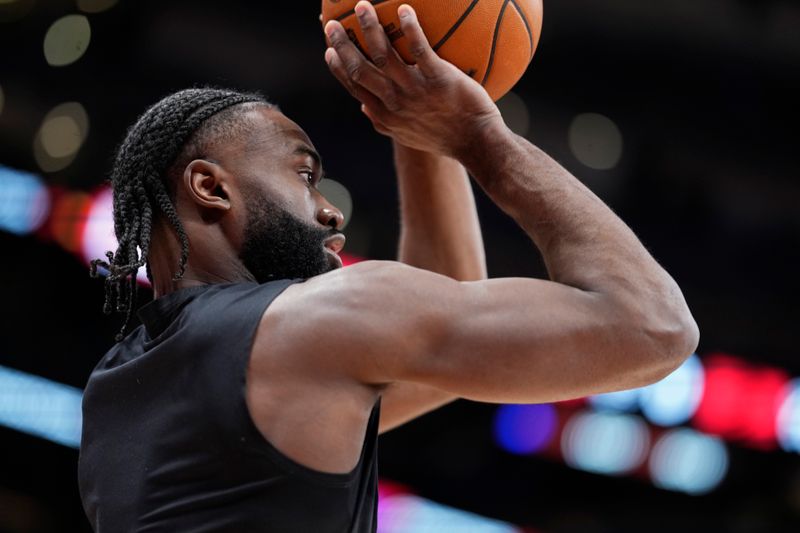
[525, 340]
[500, 340]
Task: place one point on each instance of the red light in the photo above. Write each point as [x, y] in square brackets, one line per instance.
[572, 404]
[348, 259]
[740, 401]
[68, 219]
[391, 488]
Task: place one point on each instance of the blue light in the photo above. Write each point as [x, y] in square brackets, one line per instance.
[404, 513]
[605, 443]
[525, 429]
[788, 422]
[40, 407]
[674, 399]
[687, 461]
[25, 202]
[625, 401]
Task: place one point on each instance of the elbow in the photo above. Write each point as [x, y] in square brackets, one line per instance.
[691, 336]
[671, 342]
[660, 337]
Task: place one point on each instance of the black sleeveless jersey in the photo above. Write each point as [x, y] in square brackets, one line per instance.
[168, 443]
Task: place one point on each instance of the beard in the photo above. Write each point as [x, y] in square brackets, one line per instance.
[278, 245]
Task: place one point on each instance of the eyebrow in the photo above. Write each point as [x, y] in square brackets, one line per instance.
[305, 150]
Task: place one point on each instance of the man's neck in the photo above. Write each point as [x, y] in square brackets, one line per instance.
[210, 261]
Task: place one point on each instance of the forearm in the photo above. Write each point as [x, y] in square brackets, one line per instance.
[583, 243]
[439, 230]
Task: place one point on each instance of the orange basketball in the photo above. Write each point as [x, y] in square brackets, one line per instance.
[493, 41]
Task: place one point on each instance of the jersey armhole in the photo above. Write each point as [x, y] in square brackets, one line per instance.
[245, 436]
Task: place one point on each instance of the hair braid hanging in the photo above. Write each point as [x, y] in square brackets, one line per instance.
[141, 190]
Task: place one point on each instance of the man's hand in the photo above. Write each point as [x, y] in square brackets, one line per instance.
[430, 106]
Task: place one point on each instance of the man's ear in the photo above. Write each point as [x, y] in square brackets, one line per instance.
[207, 184]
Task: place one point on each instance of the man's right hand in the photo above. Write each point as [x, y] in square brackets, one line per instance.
[430, 106]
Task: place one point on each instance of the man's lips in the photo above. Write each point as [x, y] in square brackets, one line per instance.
[334, 243]
[333, 258]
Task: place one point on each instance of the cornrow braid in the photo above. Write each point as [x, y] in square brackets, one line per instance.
[168, 132]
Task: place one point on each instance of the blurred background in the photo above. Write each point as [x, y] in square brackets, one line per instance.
[682, 115]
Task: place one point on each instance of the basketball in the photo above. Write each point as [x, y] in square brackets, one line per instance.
[493, 41]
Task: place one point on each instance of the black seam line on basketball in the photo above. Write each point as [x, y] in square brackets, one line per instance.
[494, 41]
[525, 21]
[458, 23]
[373, 2]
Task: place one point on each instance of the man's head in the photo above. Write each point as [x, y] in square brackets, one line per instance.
[229, 177]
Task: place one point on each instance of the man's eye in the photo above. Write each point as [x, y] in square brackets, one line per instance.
[309, 175]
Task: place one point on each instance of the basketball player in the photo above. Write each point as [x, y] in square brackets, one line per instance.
[251, 397]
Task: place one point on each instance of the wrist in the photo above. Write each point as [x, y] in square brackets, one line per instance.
[431, 161]
[482, 140]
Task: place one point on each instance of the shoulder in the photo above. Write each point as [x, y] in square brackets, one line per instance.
[344, 301]
[363, 287]
[350, 321]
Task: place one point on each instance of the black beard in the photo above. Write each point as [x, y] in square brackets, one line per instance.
[278, 245]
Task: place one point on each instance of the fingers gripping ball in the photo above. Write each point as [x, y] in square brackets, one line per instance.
[493, 41]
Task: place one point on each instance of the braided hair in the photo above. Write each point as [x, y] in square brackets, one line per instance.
[181, 127]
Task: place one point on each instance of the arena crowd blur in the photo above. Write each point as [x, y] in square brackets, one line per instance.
[681, 115]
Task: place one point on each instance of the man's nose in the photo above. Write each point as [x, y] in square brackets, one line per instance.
[330, 216]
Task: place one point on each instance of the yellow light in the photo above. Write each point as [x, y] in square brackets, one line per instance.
[595, 141]
[67, 40]
[60, 136]
[95, 6]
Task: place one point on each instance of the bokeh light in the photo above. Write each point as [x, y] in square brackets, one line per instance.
[741, 401]
[68, 219]
[25, 202]
[515, 113]
[525, 429]
[350, 259]
[788, 422]
[95, 6]
[60, 137]
[626, 401]
[596, 141]
[404, 513]
[67, 40]
[40, 407]
[687, 461]
[605, 443]
[338, 195]
[674, 399]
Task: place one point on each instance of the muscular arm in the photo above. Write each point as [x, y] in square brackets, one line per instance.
[439, 232]
[610, 318]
